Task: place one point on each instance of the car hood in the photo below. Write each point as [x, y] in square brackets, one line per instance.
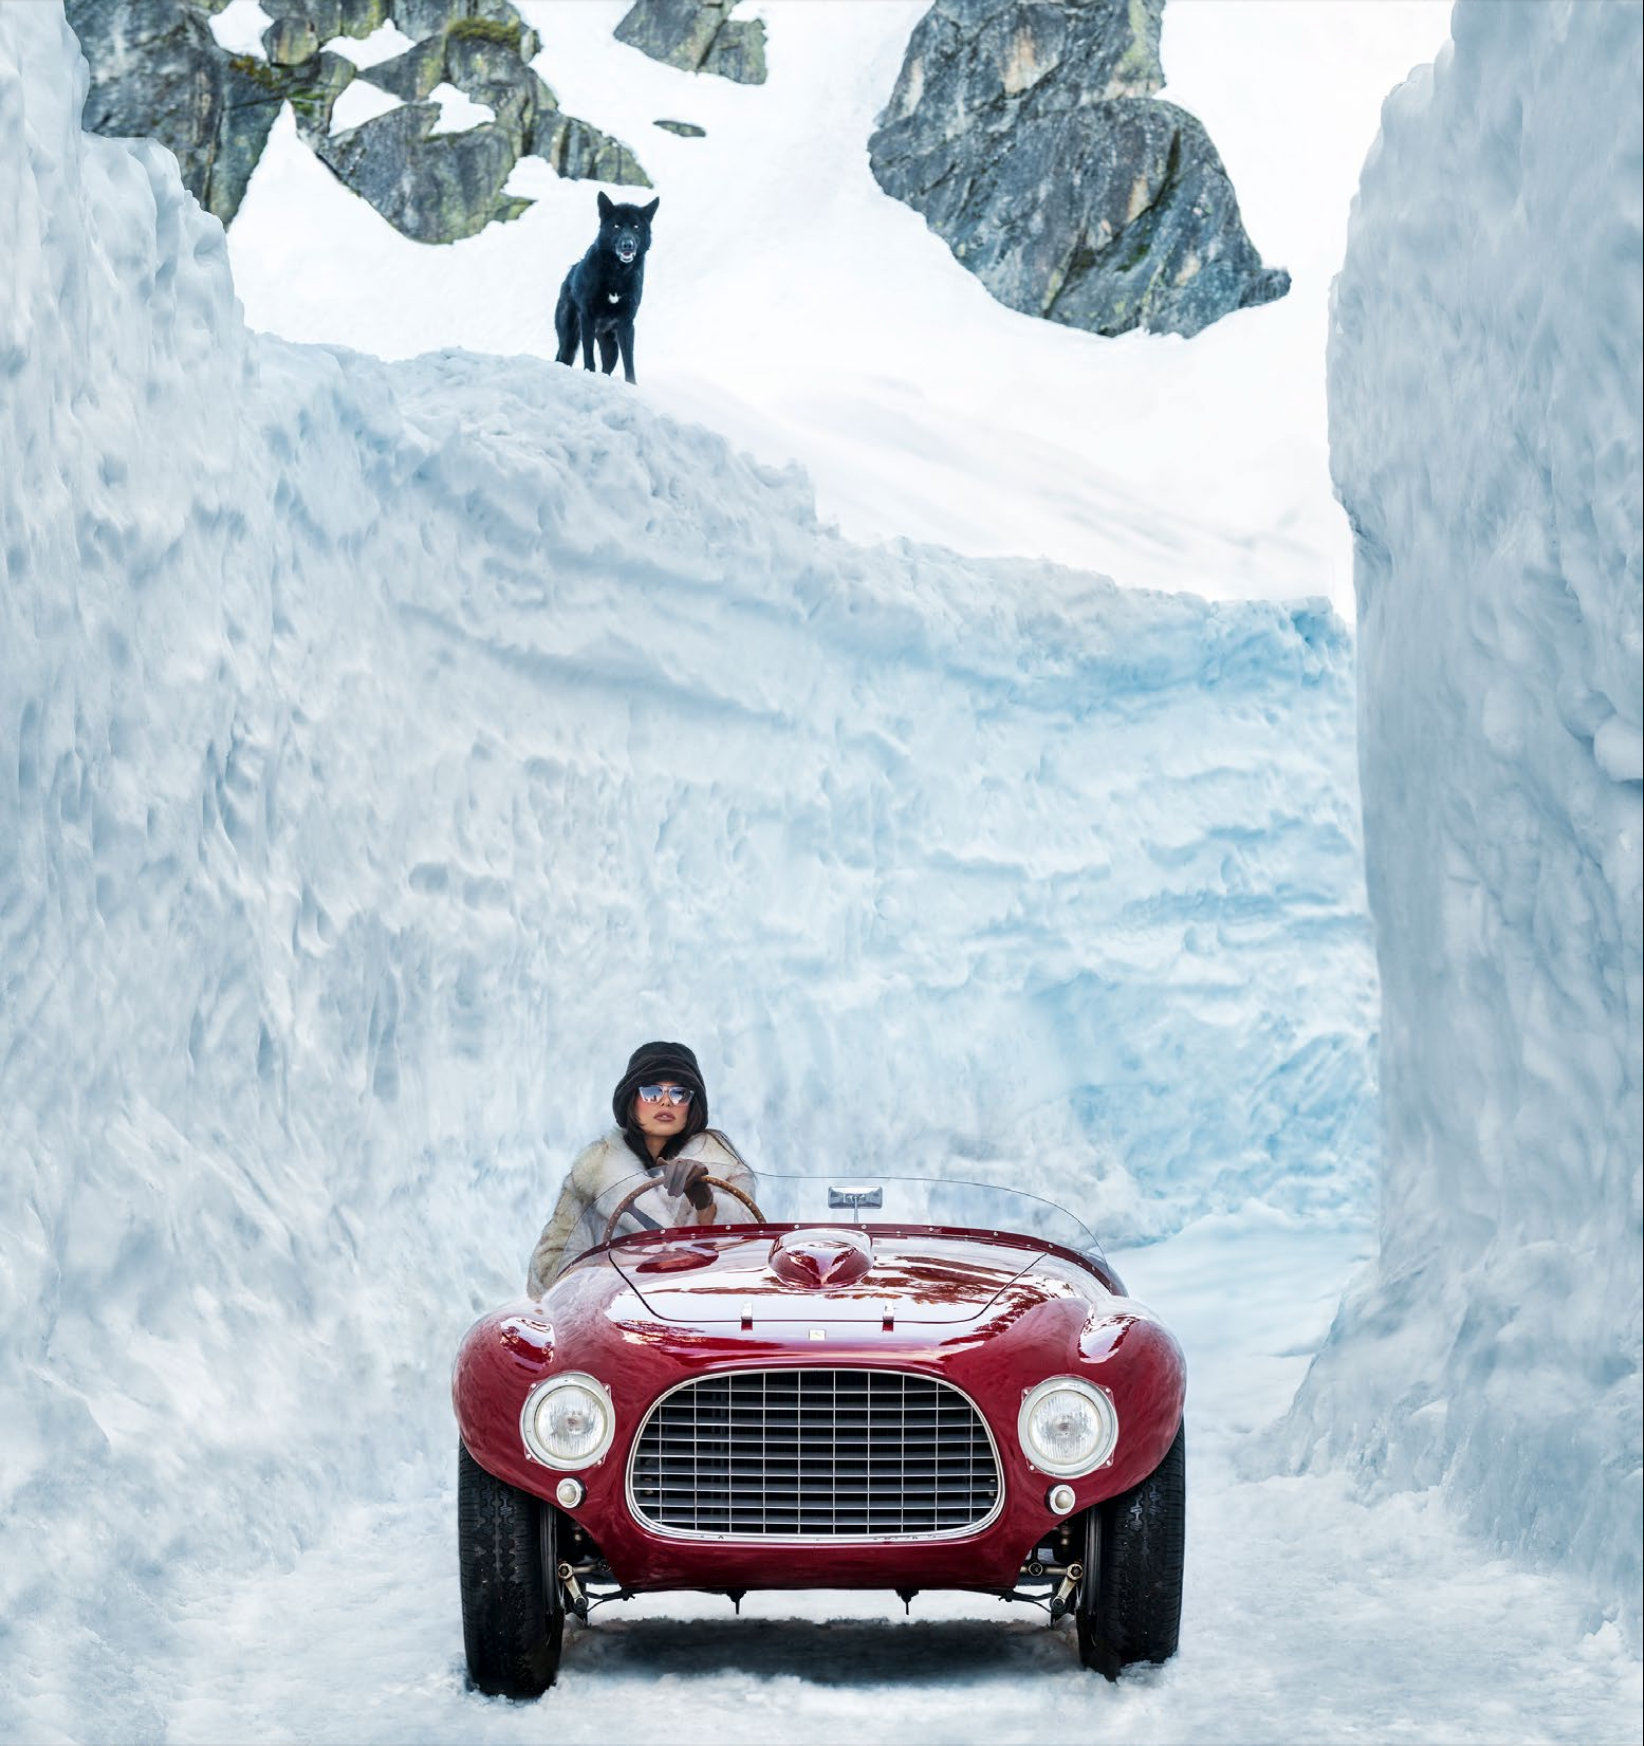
[827, 1273]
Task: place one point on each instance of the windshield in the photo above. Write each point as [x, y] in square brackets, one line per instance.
[865, 1199]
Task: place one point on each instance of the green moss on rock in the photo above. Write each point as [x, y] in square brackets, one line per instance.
[497, 31]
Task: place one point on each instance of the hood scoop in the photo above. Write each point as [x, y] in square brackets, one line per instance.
[821, 1260]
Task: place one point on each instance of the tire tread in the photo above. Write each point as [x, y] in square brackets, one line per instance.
[513, 1619]
[1136, 1590]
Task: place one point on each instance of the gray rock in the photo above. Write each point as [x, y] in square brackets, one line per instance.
[436, 189]
[156, 70]
[685, 129]
[314, 90]
[328, 18]
[497, 77]
[289, 42]
[1027, 134]
[582, 153]
[738, 52]
[412, 75]
[677, 32]
[697, 36]
[494, 18]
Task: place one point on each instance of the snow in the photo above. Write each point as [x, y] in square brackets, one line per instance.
[384, 43]
[239, 28]
[1486, 384]
[922, 409]
[359, 103]
[458, 112]
[384, 749]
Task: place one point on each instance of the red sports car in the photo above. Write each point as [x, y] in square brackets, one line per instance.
[894, 1384]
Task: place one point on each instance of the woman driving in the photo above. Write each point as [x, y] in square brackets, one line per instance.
[661, 1110]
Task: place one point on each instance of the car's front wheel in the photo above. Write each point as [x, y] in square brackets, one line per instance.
[1129, 1606]
[513, 1608]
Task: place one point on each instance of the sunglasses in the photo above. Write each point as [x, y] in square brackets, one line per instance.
[670, 1093]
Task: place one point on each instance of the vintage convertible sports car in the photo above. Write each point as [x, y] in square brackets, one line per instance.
[893, 1384]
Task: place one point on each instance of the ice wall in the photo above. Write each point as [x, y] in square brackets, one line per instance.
[385, 750]
[1485, 438]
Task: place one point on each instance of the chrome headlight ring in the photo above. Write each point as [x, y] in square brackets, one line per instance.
[540, 1433]
[1085, 1447]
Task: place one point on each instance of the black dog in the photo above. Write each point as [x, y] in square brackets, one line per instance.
[601, 293]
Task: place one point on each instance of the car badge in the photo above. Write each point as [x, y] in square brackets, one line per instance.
[819, 1333]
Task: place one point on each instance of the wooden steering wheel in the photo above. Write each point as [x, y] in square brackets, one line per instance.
[729, 1188]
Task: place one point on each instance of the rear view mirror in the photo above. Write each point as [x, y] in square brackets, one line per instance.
[855, 1197]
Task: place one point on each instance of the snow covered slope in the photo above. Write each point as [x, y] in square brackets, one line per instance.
[1485, 431]
[796, 309]
[385, 749]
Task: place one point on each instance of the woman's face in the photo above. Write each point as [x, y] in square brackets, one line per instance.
[662, 1119]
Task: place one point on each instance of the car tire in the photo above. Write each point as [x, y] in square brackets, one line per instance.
[513, 1607]
[1129, 1606]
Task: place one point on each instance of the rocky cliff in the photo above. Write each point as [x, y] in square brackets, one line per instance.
[158, 70]
[1028, 134]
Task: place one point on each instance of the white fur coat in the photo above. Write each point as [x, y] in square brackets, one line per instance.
[595, 1185]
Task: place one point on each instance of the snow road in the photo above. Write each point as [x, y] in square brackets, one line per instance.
[1308, 1616]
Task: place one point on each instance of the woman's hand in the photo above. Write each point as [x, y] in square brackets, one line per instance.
[685, 1176]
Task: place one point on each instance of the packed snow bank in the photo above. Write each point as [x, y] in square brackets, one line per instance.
[384, 750]
[1485, 431]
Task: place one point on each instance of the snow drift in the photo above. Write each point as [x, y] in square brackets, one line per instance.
[384, 750]
[1485, 437]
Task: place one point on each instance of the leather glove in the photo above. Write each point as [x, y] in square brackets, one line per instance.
[684, 1176]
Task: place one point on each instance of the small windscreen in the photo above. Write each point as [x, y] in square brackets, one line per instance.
[641, 1203]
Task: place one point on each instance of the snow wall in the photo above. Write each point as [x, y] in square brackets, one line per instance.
[1485, 438]
[386, 750]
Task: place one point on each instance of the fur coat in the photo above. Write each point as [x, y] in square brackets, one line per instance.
[598, 1179]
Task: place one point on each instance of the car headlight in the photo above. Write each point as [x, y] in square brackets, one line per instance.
[1067, 1426]
[567, 1421]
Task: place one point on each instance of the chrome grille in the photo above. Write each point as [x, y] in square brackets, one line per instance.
[814, 1454]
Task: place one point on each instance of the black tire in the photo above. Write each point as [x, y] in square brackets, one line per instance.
[1129, 1606]
[513, 1608]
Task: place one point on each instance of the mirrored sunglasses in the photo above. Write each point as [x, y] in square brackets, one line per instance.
[673, 1093]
